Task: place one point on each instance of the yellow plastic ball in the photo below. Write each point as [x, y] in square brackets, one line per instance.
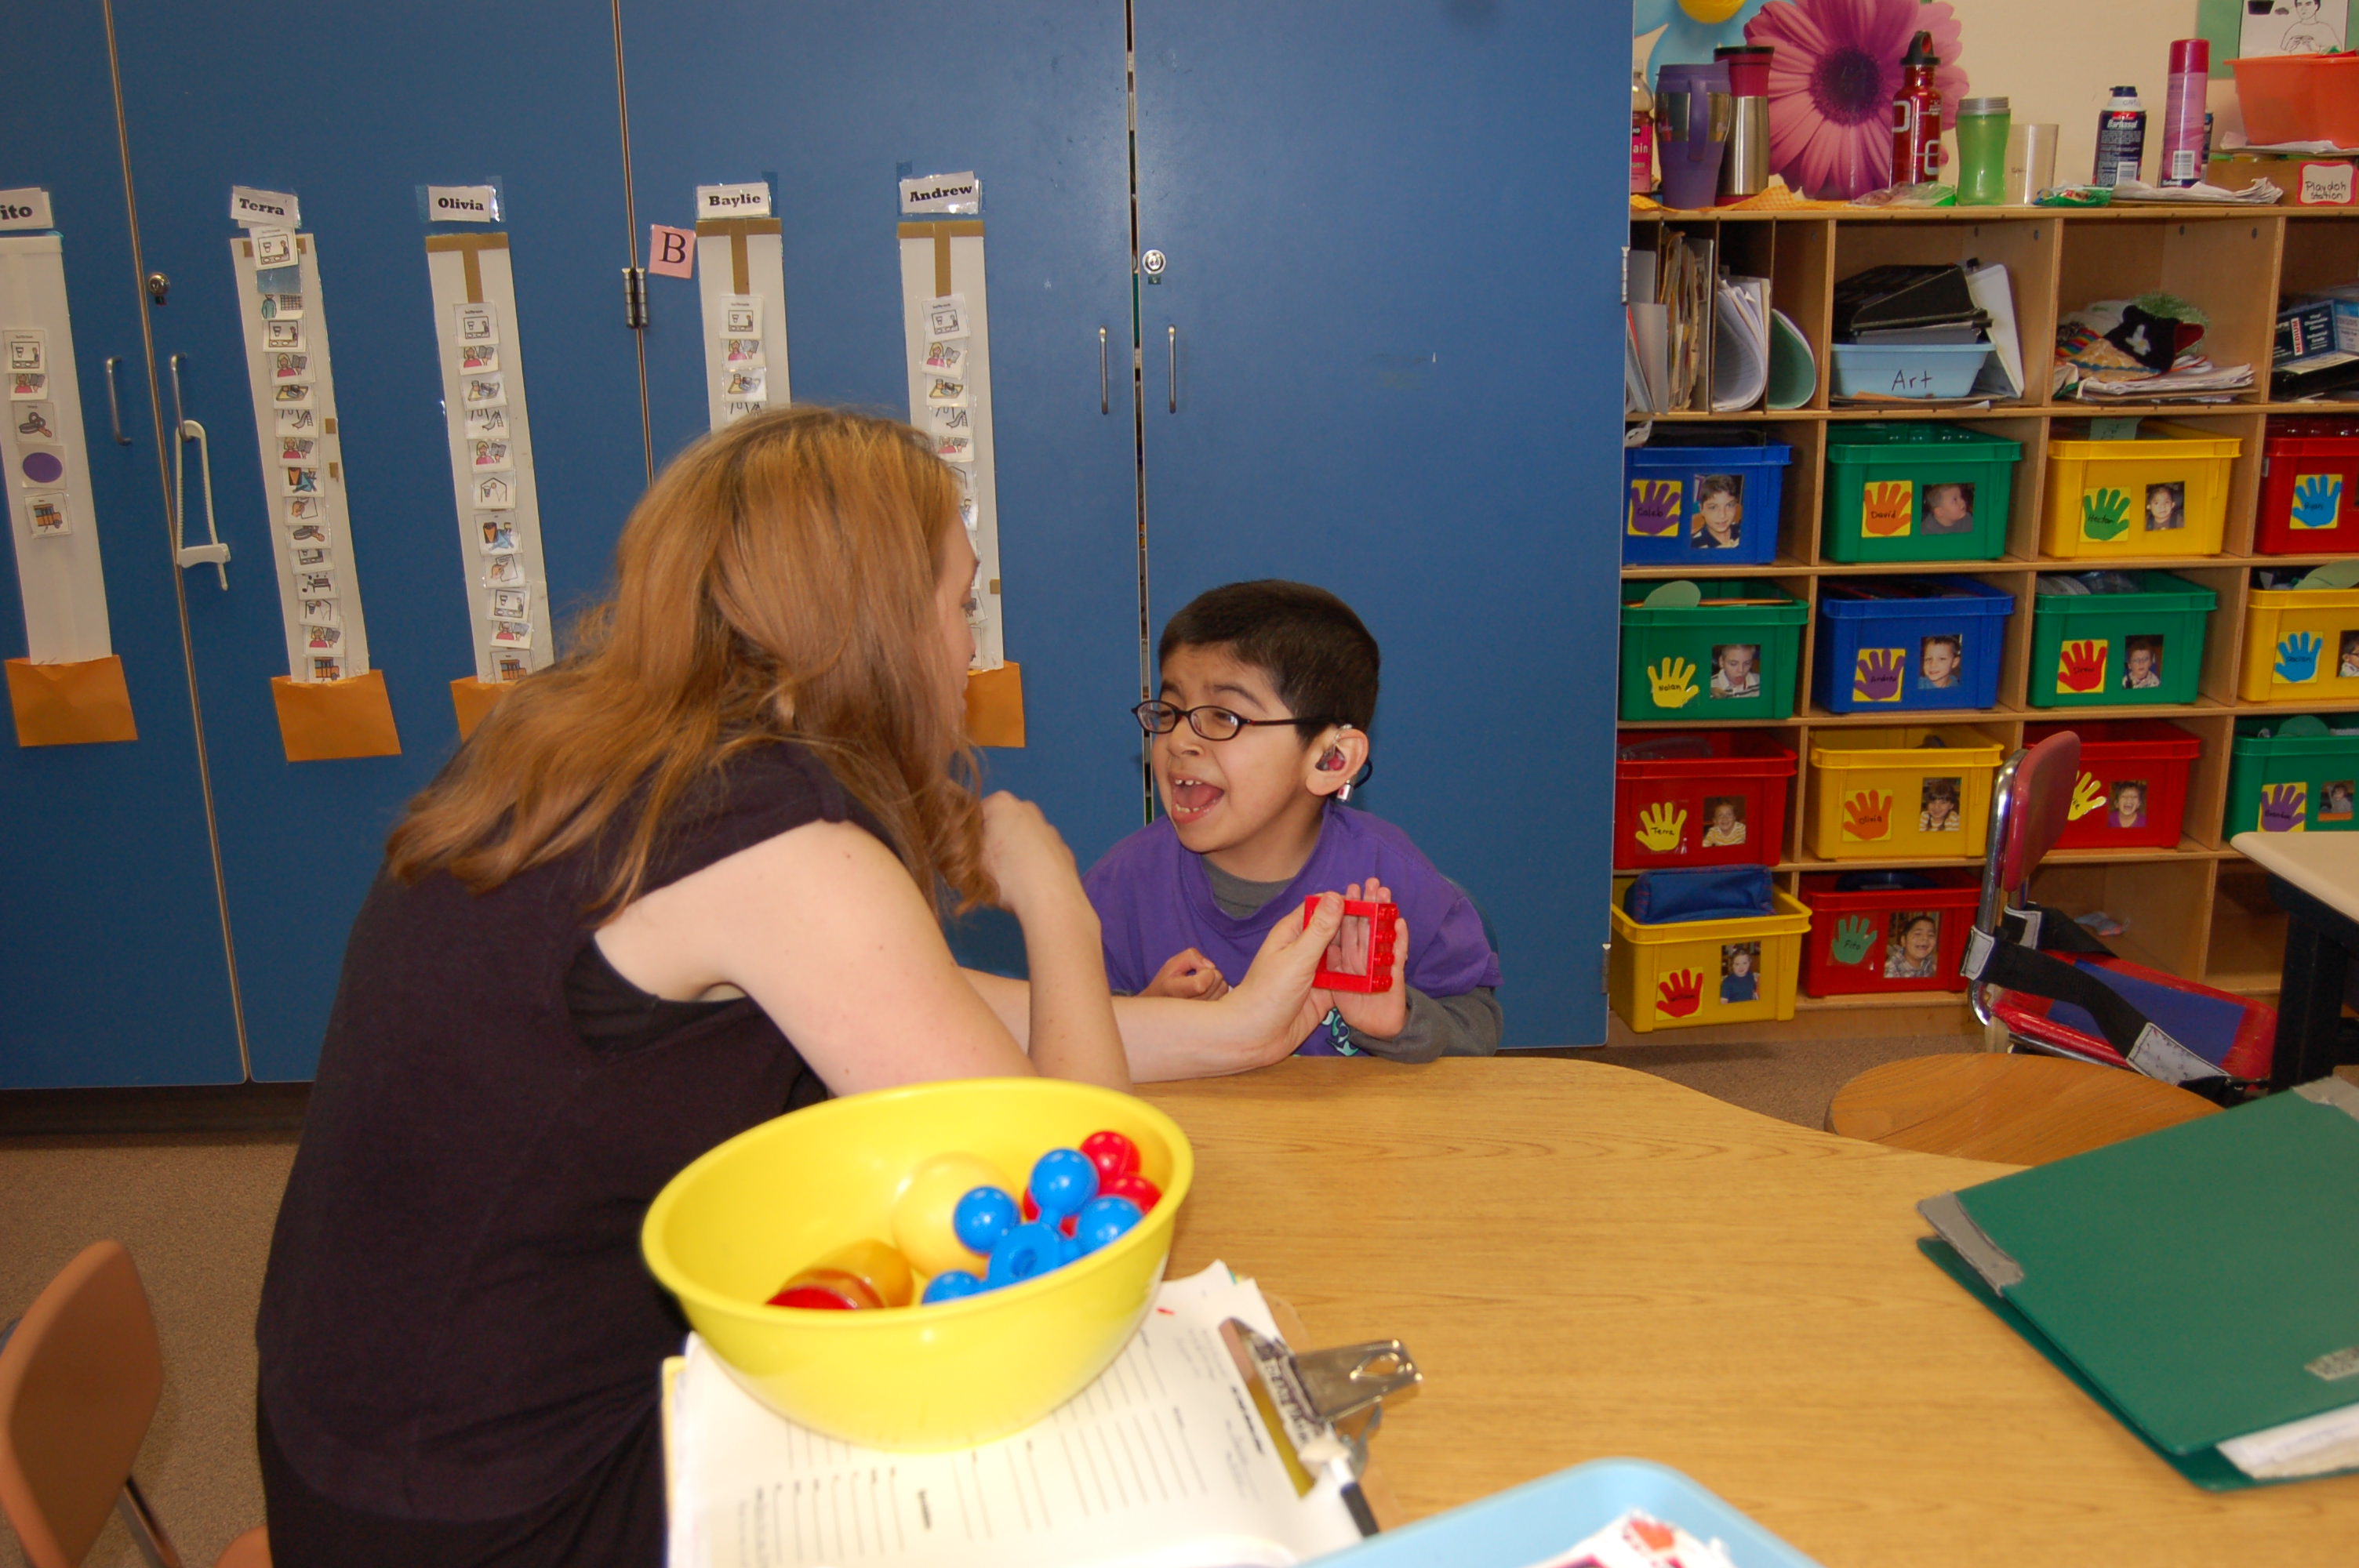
[1712, 13]
[921, 1213]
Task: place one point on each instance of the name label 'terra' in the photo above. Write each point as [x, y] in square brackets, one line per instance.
[751, 199]
[252, 209]
[462, 204]
[26, 208]
[929, 195]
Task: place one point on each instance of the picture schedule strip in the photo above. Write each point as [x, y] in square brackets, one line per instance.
[742, 288]
[947, 323]
[491, 452]
[284, 321]
[56, 537]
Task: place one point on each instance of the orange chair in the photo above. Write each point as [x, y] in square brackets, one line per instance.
[80, 1375]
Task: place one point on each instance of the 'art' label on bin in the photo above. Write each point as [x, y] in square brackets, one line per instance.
[462, 204]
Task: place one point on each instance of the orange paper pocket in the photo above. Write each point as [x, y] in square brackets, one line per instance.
[473, 700]
[994, 706]
[321, 722]
[76, 703]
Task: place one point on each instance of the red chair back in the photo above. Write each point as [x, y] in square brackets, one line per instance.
[2039, 803]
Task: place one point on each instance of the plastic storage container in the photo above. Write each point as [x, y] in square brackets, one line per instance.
[2299, 97]
[2310, 487]
[1917, 492]
[1706, 499]
[1718, 660]
[2110, 650]
[2292, 775]
[1705, 971]
[1894, 933]
[2301, 644]
[1907, 370]
[1891, 795]
[1700, 797]
[1937, 650]
[2164, 492]
[2132, 792]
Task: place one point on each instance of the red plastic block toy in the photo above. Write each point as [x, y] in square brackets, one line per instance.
[1360, 958]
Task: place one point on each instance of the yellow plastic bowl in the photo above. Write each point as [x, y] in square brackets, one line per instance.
[726, 1233]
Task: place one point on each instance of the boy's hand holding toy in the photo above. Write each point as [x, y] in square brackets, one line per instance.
[1190, 976]
[1380, 1012]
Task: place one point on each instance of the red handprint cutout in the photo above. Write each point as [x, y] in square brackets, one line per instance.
[1886, 510]
[1679, 993]
[2081, 666]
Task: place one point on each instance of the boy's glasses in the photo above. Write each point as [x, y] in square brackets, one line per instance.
[1211, 723]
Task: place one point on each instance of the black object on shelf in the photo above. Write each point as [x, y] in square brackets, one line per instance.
[1902, 297]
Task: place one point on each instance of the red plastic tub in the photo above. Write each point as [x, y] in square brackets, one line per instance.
[2310, 487]
[1877, 939]
[2299, 97]
[2116, 754]
[1700, 797]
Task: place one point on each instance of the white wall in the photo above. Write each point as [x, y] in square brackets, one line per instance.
[2055, 60]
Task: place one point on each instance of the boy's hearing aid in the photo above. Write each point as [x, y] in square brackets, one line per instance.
[1332, 761]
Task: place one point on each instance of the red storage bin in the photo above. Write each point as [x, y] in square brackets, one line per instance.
[1871, 940]
[2120, 751]
[1673, 788]
[2310, 487]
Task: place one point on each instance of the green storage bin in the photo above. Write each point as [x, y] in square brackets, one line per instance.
[2099, 650]
[1683, 664]
[2300, 783]
[1884, 501]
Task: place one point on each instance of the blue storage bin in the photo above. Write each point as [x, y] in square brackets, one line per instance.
[1884, 653]
[1665, 521]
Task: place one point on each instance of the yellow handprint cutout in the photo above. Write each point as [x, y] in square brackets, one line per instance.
[1661, 826]
[1672, 682]
[2088, 795]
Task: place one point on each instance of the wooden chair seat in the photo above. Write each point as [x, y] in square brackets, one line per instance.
[2022, 1109]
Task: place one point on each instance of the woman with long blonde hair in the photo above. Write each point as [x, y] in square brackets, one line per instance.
[687, 879]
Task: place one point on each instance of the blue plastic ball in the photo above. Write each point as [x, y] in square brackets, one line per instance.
[1062, 1180]
[981, 1217]
[1103, 1219]
[1024, 1253]
[951, 1284]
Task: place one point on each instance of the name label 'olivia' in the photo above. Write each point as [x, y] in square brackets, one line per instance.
[462, 204]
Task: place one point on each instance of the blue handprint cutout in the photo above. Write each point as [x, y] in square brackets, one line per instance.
[2317, 500]
[2298, 658]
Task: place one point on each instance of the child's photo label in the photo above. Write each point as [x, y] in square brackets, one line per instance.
[2141, 663]
[1740, 972]
[2126, 805]
[1940, 659]
[2334, 800]
[2347, 664]
[1723, 817]
[1938, 805]
[2166, 506]
[1736, 669]
[1719, 511]
[1914, 949]
[1948, 508]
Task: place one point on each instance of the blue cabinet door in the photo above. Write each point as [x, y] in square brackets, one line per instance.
[353, 109]
[834, 102]
[1393, 238]
[112, 963]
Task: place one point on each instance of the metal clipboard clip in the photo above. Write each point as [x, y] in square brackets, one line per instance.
[1322, 1406]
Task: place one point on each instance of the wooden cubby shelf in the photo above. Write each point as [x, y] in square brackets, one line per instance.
[2199, 910]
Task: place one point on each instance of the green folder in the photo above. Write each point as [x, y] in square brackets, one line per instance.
[2201, 1282]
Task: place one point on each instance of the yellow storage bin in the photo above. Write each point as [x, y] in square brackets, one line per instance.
[2164, 492]
[1915, 793]
[1705, 971]
[2301, 644]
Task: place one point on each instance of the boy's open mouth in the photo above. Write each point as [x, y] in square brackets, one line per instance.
[1191, 798]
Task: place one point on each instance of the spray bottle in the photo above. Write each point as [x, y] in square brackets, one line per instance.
[1917, 116]
[2121, 138]
[2182, 114]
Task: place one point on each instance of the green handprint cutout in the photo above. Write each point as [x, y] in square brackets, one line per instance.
[2104, 514]
[1853, 937]
[2317, 498]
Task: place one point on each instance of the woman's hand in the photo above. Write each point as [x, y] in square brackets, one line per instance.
[1027, 858]
[1276, 1007]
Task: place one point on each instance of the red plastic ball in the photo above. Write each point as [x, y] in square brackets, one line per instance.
[1112, 1154]
[1135, 1187]
[811, 1296]
[1031, 1209]
[1065, 1226]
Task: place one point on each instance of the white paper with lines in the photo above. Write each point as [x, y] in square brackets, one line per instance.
[1159, 1464]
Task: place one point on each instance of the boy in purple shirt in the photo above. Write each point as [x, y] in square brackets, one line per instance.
[1260, 729]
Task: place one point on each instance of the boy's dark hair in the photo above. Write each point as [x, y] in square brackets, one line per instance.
[1316, 652]
[1712, 484]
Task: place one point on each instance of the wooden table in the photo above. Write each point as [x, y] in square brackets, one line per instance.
[2019, 1110]
[2315, 877]
[1588, 1261]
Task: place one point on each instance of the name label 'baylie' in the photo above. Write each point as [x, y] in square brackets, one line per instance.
[751, 199]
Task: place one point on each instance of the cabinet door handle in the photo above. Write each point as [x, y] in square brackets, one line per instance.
[1171, 366]
[114, 406]
[213, 554]
[1104, 405]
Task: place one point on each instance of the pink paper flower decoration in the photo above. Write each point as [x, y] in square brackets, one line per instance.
[1833, 82]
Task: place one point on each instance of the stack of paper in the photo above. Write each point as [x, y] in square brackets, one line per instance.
[1740, 344]
[1162, 1463]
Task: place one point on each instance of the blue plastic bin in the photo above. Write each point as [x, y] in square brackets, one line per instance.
[1667, 519]
[1907, 370]
[1882, 654]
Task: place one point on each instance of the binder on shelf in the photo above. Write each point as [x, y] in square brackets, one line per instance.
[2201, 1282]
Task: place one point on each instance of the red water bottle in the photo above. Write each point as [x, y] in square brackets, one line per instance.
[1917, 116]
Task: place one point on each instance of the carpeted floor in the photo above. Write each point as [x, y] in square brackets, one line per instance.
[196, 1210]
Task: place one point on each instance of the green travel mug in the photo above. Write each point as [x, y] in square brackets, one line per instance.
[1982, 152]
